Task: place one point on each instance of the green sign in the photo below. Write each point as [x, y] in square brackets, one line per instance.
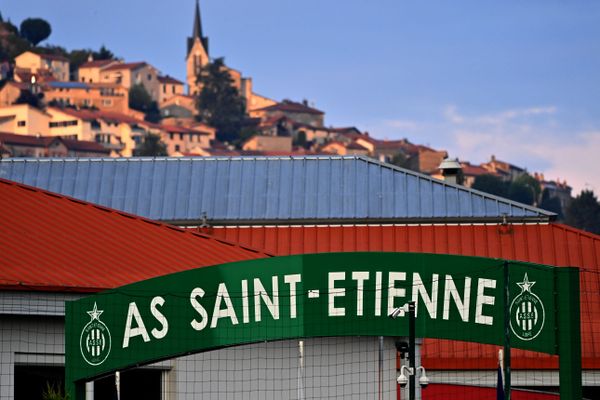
[316, 295]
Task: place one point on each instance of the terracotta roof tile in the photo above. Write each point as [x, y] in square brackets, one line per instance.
[97, 63]
[169, 79]
[291, 106]
[53, 242]
[120, 66]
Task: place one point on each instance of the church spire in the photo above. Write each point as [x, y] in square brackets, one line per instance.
[197, 31]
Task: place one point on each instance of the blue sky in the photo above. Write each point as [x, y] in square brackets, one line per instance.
[518, 79]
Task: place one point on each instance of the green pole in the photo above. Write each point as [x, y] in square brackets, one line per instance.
[507, 382]
[569, 332]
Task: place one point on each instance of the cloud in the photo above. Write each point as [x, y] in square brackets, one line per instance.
[452, 115]
[529, 138]
[536, 138]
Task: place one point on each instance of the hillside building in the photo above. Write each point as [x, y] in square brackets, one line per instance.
[33, 63]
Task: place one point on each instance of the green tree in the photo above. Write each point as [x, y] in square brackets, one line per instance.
[140, 99]
[103, 54]
[491, 184]
[551, 204]
[35, 30]
[219, 103]
[518, 191]
[26, 97]
[152, 146]
[11, 44]
[531, 184]
[584, 212]
[300, 139]
[400, 159]
[78, 57]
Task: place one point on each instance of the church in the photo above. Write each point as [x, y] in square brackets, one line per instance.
[198, 56]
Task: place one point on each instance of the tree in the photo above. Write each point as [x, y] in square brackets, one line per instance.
[300, 139]
[551, 204]
[519, 191]
[104, 54]
[219, 103]
[152, 146]
[140, 99]
[400, 159]
[491, 184]
[531, 184]
[79, 56]
[584, 212]
[26, 97]
[35, 30]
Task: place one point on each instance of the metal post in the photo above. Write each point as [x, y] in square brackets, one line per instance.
[411, 350]
[506, 332]
[569, 332]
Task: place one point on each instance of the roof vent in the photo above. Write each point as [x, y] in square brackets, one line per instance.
[451, 170]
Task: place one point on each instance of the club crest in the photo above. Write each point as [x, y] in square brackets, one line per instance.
[95, 340]
[527, 314]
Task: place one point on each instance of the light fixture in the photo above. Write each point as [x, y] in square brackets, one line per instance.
[403, 379]
[423, 380]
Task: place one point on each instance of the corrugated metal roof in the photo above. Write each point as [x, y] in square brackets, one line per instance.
[51, 242]
[263, 189]
[550, 244]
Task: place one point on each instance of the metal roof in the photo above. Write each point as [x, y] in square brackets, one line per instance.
[52, 242]
[550, 244]
[263, 189]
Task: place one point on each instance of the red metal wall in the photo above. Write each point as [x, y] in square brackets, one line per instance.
[551, 244]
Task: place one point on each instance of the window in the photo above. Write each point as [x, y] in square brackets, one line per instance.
[149, 77]
[171, 136]
[21, 123]
[164, 88]
[63, 124]
[177, 147]
[31, 380]
[173, 89]
[107, 102]
[181, 136]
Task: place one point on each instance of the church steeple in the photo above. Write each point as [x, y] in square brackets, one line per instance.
[197, 31]
[197, 53]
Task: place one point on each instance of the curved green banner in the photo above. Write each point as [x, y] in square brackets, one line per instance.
[334, 294]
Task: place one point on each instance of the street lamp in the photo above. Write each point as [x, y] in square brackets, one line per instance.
[410, 370]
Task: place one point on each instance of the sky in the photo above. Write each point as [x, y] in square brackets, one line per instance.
[516, 79]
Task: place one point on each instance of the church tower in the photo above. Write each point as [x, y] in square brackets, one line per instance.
[197, 53]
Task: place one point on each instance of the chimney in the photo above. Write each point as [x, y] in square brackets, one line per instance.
[451, 170]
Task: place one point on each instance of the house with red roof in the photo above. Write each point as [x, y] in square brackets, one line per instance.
[33, 63]
[133, 73]
[102, 96]
[89, 72]
[168, 87]
[504, 169]
[49, 146]
[298, 112]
